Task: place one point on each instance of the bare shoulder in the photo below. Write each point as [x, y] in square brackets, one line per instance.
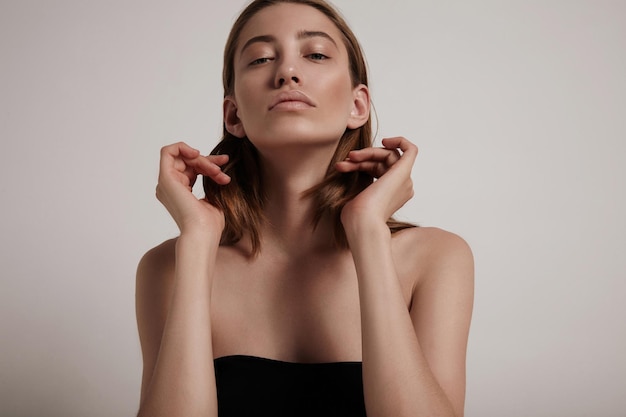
[156, 262]
[155, 276]
[424, 253]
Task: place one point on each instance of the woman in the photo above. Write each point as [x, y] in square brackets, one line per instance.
[289, 290]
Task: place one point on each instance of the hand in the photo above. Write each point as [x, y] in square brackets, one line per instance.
[179, 168]
[393, 185]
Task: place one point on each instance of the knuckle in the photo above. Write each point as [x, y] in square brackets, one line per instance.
[167, 149]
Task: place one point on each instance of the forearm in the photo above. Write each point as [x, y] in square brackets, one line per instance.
[183, 380]
[397, 380]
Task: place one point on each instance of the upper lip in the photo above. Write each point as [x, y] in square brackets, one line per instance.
[293, 95]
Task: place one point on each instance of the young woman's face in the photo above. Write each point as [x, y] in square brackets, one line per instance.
[292, 80]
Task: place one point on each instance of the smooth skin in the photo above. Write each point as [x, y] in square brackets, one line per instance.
[399, 303]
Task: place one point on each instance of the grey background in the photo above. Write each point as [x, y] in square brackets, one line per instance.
[519, 110]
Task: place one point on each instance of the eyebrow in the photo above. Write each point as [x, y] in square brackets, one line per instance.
[307, 34]
[303, 34]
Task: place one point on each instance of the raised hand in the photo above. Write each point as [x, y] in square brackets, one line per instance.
[179, 169]
[391, 165]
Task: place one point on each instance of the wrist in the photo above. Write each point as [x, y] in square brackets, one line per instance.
[200, 236]
[365, 229]
[203, 228]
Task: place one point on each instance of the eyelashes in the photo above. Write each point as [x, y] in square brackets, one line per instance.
[260, 61]
[315, 56]
[269, 56]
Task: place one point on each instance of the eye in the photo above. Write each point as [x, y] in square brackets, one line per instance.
[260, 61]
[316, 56]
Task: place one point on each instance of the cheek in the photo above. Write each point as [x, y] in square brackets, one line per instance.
[245, 100]
[244, 86]
[340, 91]
[339, 105]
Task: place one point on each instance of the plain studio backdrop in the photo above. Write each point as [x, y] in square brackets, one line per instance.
[519, 110]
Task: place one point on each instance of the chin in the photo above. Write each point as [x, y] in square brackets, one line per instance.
[293, 136]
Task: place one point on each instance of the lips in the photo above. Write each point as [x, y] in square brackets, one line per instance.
[293, 99]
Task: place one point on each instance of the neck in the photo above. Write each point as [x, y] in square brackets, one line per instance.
[289, 215]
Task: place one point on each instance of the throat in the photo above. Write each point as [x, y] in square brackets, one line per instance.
[297, 236]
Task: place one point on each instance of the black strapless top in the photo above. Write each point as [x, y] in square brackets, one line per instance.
[253, 386]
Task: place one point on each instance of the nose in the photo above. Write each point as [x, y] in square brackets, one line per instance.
[282, 81]
[287, 73]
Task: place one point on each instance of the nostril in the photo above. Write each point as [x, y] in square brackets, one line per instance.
[283, 80]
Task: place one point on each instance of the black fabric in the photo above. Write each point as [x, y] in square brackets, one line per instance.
[252, 386]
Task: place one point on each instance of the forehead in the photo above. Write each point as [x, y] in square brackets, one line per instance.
[287, 20]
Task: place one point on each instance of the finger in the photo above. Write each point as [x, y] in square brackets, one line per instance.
[183, 163]
[187, 151]
[205, 165]
[220, 178]
[401, 143]
[195, 165]
[389, 156]
[378, 161]
[220, 159]
[208, 167]
[218, 175]
[409, 152]
[375, 169]
[177, 168]
[171, 154]
[179, 149]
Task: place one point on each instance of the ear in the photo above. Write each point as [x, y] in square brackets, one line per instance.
[233, 124]
[360, 107]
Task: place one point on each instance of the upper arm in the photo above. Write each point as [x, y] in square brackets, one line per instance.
[153, 291]
[441, 311]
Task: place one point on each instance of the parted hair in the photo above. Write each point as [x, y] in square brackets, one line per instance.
[242, 200]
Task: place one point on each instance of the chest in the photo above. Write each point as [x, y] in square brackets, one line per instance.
[304, 311]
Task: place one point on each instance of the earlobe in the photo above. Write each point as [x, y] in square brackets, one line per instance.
[233, 123]
[360, 107]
